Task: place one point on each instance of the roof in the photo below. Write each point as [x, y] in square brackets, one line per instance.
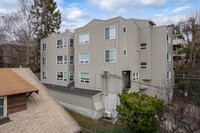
[78, 91]
[43, 114]
[11, 83]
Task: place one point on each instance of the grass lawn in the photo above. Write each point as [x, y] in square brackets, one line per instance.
[98, 126]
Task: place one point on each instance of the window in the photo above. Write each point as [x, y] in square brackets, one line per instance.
[3, 107]
[65, 42]
[71, 76]
[168, 57]
[84, 38]
[60, 59]
[135, 76]
[65, 59]
[110, 33]
[44, 75]
[84, 58]
[65, 76]
[84, 77]
[143, 65]
[71, 59]
[125, 52]
[71, 42]
[174, 38]
[110, 56]
[44, 47]
[59, 76]
[124, 29]
[168, 75]
[168, 39]
[60, 43]
[44, 61]
[143, 46]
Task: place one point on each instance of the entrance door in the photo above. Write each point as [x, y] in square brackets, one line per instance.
[126, 83]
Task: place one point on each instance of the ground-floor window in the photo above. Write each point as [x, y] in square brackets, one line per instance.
[71, 76]
[84, 77]
[3, 107]
[135, 76]
[61, 76]
[44, 75]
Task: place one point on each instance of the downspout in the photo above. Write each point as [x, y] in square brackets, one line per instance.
[93, 117]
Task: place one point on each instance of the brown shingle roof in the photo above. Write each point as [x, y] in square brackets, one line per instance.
[43, 114]
[11, 83]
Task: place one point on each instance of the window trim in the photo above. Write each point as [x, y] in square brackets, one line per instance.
[65, 45]
[63, 78]
[146, 65]
[136, 77]
[65, 62]
[42, 46]
[85, 41]
[60, 61]
[168, 38]
[126, 52]
[86, 80]
[72, 43]
[143, 46]
[43, 75]
[109, 32]
[84, 61]
[43, 61]
[168, 57]
[4, 107]
[125, 28]
[170, 76]
[70, 76]
[105, 56]
[70, 60]
[60, 45]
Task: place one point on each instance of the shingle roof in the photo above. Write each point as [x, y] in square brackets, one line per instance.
[43, 114]
[79, 91]
[11, 83]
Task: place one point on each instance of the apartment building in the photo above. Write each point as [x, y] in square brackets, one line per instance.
[124, 55]
[178, 44]
[57, 59]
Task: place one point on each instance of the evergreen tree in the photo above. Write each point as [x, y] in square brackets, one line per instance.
[1, 58]
[47, 18]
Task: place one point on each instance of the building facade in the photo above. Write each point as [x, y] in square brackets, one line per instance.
[124, 55]
[57, 59]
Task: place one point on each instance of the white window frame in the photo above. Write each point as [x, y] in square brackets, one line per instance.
[83, 80]
[84, 61]
[124, 50]
[135, 76]
[44, 49]
[59, 62]
[109, 33]
[61, 46]
[85, 41]
[144, 65]
[109, 58]
[168, 57]
[169, 76]
[65, 62]
[43, 77]
[168, 39]
[44, 63]
[70, 60]
[65, 40]
[125, 28]
[65, 79]
[71, 43]
[59, 79]
[143, 47]
[70, 76]
[4, 106]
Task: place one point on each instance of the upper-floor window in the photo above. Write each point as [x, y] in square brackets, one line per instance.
[110, 55]
[44, 75]
[125, 52]
[3, 107]
[60, 59]
[110, 33]
[143, 46]
[60, 43]
[44, 60]
[124, 29]
[65, 42]
[71, 42]
[143, 65]
[71, 59]
[65, 59]
[168, 75]
[168, 39]
[84, 58]
[44, 47]
[168, 57]
[71, 76]
[135, 76]
[84, 38]
[84, 77]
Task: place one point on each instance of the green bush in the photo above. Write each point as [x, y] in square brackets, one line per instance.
[140, 112]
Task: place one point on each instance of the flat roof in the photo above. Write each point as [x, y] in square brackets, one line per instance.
[74, 90]
[11, 83]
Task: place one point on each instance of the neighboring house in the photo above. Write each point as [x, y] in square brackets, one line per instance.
[22, 110]
[124, 55]
[57, 59]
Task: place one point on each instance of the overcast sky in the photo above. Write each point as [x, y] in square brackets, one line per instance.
[76, 13]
